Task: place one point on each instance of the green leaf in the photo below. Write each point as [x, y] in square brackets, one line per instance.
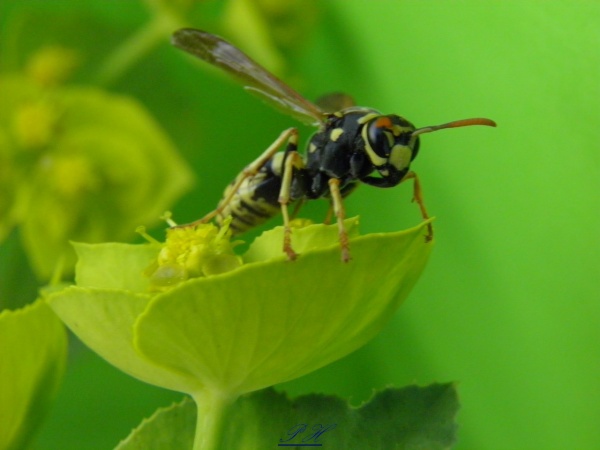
[103, 319]
[268, 245]
[33, 351]
[114, 265]
[171, 427]
[410, 418]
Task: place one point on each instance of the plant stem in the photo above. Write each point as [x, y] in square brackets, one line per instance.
[212, 408]
[143, 41]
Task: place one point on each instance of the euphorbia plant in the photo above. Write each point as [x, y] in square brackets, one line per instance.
[191, 316]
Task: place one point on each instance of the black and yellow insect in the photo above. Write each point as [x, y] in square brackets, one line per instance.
[352, 145]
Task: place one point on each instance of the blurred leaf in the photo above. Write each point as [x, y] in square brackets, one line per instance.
[33, 351]
[92, 31]
[18, 284]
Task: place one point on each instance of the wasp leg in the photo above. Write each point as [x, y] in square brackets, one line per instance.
[348, 189]
[340, 214]
[293, 161]
[251, 170]
[418, 198]
[329, 214]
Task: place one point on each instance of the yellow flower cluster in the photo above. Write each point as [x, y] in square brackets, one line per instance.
[194, 251]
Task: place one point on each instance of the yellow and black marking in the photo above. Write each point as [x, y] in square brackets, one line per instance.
[352, 145]
[247, 207]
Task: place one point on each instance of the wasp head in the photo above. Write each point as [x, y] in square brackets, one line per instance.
[392, 142]
[390, 146]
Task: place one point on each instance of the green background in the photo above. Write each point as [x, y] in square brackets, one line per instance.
[510, 304]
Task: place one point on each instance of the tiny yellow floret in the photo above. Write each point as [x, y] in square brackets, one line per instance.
[194, 251]
[33, 125]
[52, 65]
[73, 176]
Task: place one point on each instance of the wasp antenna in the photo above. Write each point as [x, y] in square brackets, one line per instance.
[455, 124]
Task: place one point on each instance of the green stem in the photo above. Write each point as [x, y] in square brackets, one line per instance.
[142, 42]
[212, 408]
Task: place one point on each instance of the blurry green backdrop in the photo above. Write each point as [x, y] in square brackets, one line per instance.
[509, 306]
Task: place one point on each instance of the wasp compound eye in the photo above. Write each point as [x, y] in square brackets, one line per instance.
[380, 136]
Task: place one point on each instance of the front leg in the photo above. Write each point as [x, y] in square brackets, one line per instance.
[340, 215]
[418, 198]
[397, 177]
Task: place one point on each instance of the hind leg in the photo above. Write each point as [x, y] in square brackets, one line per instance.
[290, 135]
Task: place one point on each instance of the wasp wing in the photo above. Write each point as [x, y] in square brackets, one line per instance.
[256, 78]
[336, 101]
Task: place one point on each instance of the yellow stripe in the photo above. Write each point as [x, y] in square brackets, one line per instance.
[373, 157]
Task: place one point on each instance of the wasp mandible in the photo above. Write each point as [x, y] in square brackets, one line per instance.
[352, 145]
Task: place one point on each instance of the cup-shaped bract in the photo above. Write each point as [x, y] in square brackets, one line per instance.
[268, 321]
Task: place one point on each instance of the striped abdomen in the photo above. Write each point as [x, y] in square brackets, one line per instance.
[255, 201]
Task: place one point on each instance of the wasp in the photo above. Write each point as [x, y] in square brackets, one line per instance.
[352, 145]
